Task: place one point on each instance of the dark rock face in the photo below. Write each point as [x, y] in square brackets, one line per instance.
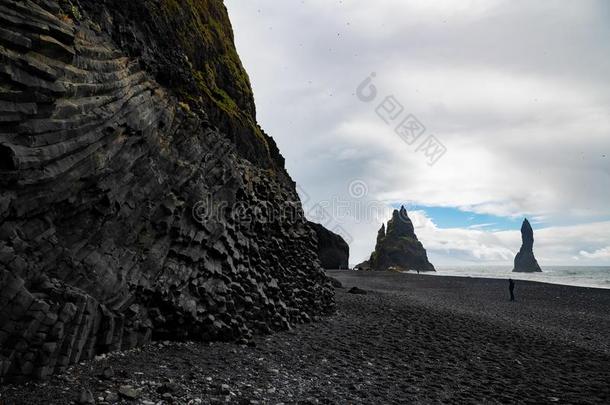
[333, 251]
[525, 262]
[398, 246]
[364, 266]
[138, 198]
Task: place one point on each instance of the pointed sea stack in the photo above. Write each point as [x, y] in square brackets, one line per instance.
[398, 247]
[525, 262]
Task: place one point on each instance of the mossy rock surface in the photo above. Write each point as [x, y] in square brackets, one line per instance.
[189, 46]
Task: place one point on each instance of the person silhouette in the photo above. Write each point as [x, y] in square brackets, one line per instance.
[511, 288]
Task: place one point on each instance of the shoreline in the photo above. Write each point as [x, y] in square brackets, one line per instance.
[451, 272]
[442, 274]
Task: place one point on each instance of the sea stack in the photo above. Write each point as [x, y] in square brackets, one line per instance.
[397, 246]
[525, 262]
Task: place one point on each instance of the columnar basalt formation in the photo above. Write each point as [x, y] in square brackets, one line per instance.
[333, 250]
[397, 246]
[525, 262]
[138, 197]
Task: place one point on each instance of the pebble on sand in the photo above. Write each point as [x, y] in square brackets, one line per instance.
[356, 290]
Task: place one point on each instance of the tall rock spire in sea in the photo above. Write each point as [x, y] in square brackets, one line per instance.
[525, 262]
[398, 247]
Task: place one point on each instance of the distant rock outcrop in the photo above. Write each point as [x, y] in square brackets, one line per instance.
[357, 291]
[525, 262]
[398, 247]
[333, 251]
[365, 265]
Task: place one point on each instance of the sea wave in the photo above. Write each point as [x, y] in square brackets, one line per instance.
[596, 277]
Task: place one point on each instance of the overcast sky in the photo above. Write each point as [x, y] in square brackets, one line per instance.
[515, 93]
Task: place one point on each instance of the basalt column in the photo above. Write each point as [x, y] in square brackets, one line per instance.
[139, 199]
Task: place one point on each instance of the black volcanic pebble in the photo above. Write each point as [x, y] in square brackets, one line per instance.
[107, 374]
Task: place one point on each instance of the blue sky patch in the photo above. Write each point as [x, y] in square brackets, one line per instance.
[450, 217]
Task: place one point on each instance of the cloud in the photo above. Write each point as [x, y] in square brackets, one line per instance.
[479, 226]
[451, 245]
[553, 246]
[516, 91]
[603, 253]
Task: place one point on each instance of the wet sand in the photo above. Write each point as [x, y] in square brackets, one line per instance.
[410, 339]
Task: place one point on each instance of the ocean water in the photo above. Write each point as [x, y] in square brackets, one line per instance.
[598, 276]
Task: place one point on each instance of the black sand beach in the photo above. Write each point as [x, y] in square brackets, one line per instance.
[411, 339]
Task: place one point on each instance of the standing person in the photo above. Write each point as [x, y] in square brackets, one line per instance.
[511, 288]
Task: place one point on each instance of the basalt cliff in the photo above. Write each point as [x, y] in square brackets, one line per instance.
[139, 199]
[333, 250]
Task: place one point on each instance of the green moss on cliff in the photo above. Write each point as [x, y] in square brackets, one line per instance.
[205, 35]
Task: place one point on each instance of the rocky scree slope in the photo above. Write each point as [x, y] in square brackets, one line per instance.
[138, 197]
